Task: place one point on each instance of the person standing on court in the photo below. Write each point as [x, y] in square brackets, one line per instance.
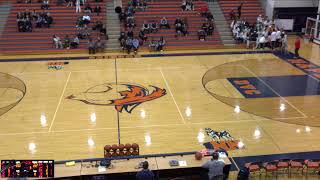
[239, 10]
[215, 167]
[297, 45]
[78, 7]
[145, 173]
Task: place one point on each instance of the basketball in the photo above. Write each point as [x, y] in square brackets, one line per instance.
[121, 147]
[128, 146]
[108, 154]
[135, 146]
[114, 147]
[107, 148]
[136, 153]
[198, 156]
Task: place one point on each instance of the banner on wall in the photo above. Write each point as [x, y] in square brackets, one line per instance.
[286, 24]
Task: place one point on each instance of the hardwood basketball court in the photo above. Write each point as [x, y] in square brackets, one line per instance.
[73, 112]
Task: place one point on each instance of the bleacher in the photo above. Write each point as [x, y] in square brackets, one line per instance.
[251, 9]
[171, 10]
[40, 39]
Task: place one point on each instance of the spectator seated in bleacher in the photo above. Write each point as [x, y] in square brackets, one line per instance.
[141, 5]
[24, 21]
[83, 33]
[180, 27]
[160, 44]
[97, 9]
[97, 25]
[205, 27]
[86, 19]
[24, 25]
[103, 32]
[128, 45]
[152, 45]
[75, 42]
[44, 20]
[45, 4]
[69, 3]
[57, 42]
[88, 8]
[209, 17]
[130, 22]
[48, 18]
[122, 16]
[80, 22]
[34, 15]
[66, 42]
[123, 44]
[146, 27]
[122, 36]
[99, 45]
[164, 23]
[135, 45]
[202, 35]
[187, 5]
[142, 35]
[130, 33]
[130, 10]
[208, 28]
[91, 47]
[153, 26]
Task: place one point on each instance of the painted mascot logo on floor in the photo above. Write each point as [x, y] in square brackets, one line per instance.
[221, 140]
[121, 96]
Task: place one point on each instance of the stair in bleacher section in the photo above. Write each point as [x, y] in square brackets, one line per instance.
[113, 26]
[4, 12]
[251, 9]
[172, 10]
[221, 24]
[40, 39]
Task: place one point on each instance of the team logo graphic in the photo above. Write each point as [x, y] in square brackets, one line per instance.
[121, 96]
[13, 91]
[221, 140]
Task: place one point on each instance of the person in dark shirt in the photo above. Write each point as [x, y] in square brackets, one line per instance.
[145, 173]
[97, 10]
[240, 10]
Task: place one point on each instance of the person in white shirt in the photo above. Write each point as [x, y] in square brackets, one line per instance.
[57, 42]
[78, 7]
[259, 19]
[284, 43]
[86, 19]
[278, 38]
[273, 39]
[260, 42]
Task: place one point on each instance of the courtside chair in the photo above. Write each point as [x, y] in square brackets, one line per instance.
[296, 165]
[271, 168]
[283, 166]
[312, 166]
[254, 168]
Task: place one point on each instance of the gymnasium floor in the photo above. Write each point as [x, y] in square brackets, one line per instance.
[69, 113]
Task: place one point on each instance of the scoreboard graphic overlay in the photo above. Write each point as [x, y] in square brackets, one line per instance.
[27, 168]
